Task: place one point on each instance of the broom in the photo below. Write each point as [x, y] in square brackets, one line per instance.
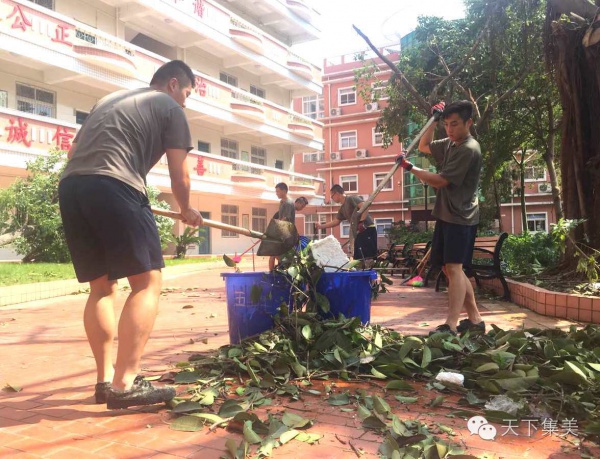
[417, 280]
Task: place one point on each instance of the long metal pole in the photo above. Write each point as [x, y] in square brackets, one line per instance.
[368, 202]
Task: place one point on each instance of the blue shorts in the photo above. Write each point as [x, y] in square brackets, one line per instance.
[452, 243]
[109, 227]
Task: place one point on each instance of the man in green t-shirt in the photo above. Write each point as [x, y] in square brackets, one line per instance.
[456, 208]
[365, 244]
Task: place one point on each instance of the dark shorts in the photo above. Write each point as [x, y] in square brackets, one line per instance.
[109, 228]
[452, 243]
[365, 245]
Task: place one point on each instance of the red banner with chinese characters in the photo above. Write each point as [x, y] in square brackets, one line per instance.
[17, 129]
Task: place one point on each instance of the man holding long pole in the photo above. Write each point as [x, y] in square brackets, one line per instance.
[456, 207]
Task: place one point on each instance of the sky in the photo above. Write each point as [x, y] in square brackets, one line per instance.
[381, 20]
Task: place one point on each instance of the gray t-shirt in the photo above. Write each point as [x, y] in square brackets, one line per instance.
[347, 210]
[287, 211]
[125, 135]
[461, 166]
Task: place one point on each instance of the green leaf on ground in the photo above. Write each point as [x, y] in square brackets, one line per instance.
[187, 424]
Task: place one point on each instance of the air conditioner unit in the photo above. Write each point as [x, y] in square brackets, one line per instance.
[335, 112]
[335, 156]
[373, 106]
[361, 153]
[544, 187]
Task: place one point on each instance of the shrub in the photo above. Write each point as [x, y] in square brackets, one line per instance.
[403, 233]
[529, 253]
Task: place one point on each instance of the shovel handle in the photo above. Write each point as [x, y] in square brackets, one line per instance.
[210, 223]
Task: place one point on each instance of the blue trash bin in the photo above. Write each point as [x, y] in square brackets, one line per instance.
[348, 292]
[247, 317]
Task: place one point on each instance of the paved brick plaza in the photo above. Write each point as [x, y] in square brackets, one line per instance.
[44, 351]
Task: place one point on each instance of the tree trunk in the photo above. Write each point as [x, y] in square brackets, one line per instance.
[577, 71]
[549, 159]
[522, 197]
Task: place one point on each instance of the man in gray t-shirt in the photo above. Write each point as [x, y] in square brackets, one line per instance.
[456, 208]
[109, 226]
[286, 212]
[365, 244]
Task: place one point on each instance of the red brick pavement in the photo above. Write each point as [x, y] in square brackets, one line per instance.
[44, 350]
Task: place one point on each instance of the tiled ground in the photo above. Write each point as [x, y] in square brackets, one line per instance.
[43, 349]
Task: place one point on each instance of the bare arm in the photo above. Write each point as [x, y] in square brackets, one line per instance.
[180, 185]
[430, 178]
[331, 224]
[426, 139]
[71, 151]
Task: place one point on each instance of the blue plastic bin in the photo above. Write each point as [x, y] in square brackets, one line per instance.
[246, 317]
[348, 292]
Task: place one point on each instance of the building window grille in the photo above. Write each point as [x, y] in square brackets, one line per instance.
[36, 100]
[257, 91]
[313, 107]
[349, 183]
[229, 148]
[259, 219]
[383, 225]
[229, 215]
[537, 223]
[229, 79]
[346, 96]
[348, 140]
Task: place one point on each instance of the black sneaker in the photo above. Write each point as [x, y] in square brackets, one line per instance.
[466, 325]
[101, 391]
[444, 328]
[141, 393]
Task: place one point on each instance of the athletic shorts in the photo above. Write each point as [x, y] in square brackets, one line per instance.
[109, 227]
[452, 243]
[365, 244]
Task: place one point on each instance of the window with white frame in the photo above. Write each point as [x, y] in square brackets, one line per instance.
[349, 183]
[313, 157]
[229, 148]
[4, 99]
[313, 107]
[260, 92]
[258, 155]
[35, 100]
[229, 79]
[259, 219]
[383, 225]
[537, 222]
[379, 90]
[346, 96]
[378, 177]
[229, 216]
[535, 173]
[345, 229]
[348, 139]
[377, 137]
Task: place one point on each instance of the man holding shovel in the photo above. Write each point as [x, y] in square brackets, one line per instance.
[456, 207]
[110, 229]
[287, 211]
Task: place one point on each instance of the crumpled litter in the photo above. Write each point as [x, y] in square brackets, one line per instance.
[450, 377]
[504, 403]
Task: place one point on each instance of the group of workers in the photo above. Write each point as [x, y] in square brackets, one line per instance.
[111, 232]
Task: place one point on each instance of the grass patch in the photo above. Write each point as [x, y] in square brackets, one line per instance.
[29, 273]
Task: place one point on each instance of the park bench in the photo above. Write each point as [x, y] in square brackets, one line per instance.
[397, 259]
[485, 263]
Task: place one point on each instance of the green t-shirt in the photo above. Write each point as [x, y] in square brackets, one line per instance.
[347, 210]
[461, 166]
[125, 135]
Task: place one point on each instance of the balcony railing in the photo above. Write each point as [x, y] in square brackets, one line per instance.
[61, 42]
[24, 136]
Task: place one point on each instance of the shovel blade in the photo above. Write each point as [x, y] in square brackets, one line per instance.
[280, 237]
